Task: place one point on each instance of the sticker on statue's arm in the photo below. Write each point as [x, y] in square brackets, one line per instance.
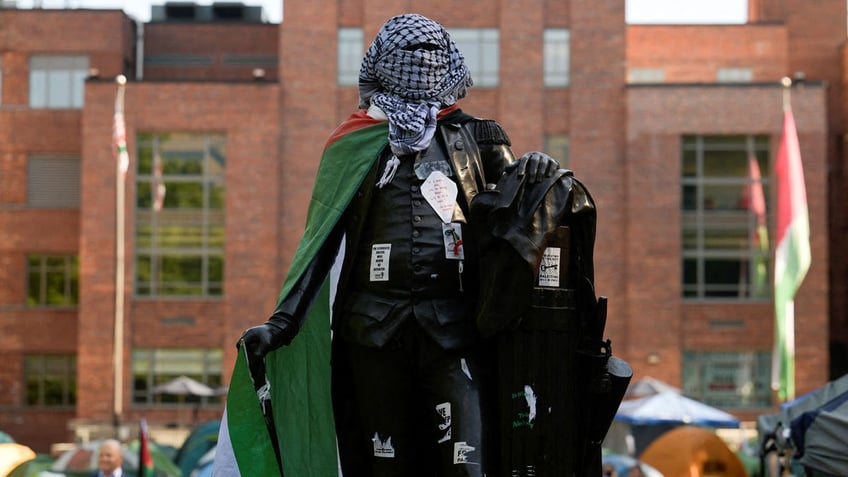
[380, 262]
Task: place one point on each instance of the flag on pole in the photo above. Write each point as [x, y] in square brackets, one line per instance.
[119, 129]
[145, 460]
[792, 255]
[158, 189]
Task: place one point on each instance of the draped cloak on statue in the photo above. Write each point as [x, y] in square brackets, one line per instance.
[299, 374]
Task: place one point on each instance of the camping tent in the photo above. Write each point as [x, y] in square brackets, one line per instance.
[673, 408]
[818, 437]
[811, 429]
[12, 455]
[693, 451]
[647, 418]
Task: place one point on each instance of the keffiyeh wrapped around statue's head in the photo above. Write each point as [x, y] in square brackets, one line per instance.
[411, 71]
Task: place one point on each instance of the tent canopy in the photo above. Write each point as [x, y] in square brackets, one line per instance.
[673, 408]
[693, 451]
[648, 386]
[818, 436]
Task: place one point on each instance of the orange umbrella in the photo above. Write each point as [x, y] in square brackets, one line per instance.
[690, 451]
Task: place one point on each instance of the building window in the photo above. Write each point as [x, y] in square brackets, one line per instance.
[57, 81]
[153, 367]
[350, 55]
[52, 280]
[646, 75]
[556, 146]
[730, 380]
[51, 380]
[481, 50]
[180, 246]
[53, 182]
[735, 75]
[557, 56]
[724, 218]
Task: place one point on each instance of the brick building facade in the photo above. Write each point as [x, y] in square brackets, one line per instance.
[237, 113]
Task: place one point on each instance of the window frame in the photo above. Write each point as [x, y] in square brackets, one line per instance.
[160, 241]
[155, 366]
[351, 44]
[68, 380]
[49, 74]
[480, 47]
[557, 58]
[705, 226]
[702, 369]
[69, 270]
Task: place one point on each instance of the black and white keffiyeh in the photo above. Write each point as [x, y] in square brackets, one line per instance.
[411, 71]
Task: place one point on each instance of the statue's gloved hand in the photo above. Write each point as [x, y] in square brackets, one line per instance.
[537, 165]
[260, 340]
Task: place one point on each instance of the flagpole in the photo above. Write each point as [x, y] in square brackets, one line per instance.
[120, 177]
[787, 92]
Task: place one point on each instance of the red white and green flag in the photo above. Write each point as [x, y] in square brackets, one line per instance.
[145, 460]
[792, 255]
[119, 133]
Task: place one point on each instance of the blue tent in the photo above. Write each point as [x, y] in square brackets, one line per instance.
[819, 437]
[673, 408]
[810, 429]
[203, 438]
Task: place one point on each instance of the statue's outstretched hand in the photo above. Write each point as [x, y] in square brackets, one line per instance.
[260, 340]
[536, 165]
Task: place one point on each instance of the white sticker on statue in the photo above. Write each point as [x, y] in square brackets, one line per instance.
[452, 235]
[461, 451]
[549, 268]
[380, 262]
[440, 193]
[383, 448]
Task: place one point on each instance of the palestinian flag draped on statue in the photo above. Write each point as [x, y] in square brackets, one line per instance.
[299, 374]
[792, 255]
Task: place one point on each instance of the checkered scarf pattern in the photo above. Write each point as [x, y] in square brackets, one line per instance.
[411, 71]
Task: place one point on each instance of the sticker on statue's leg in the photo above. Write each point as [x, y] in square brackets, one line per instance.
[461, 451]
[530, 396]
[444, 410]
[383, 448]
[464, 365]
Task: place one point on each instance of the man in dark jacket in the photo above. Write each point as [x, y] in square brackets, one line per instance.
[410, 369]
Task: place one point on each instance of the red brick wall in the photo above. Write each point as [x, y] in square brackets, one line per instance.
[694, 53]
[251, 127]
[212, 41]
[656, 320]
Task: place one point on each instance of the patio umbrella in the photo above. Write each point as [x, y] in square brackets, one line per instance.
[184, 386]
[12, 455]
